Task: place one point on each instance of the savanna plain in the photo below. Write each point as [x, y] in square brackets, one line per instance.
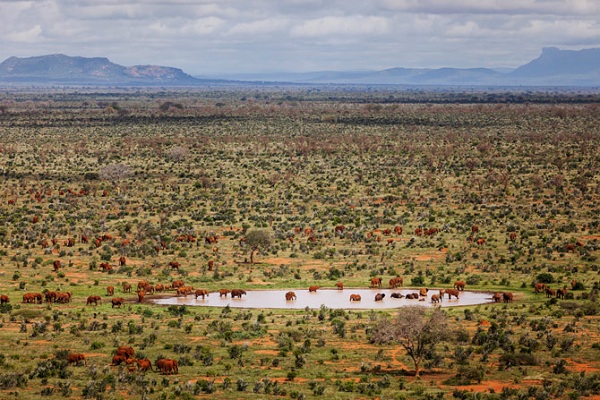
[113, 198]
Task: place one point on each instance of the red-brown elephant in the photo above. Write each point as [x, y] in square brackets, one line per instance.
[93, 300]
[339, 285]
[314, 288]
[224, 292]
[379, 296]
[167, 366]
[56, 265]
[497, 297]
[395, 282]
[75, 358]
[4, 299]
[118, 359]
[355, 297]
[201, 292]
[452, 292]
[507, 297]
[459, 285]
[110, 290]
[126, 351]
[435, 298]
[561, 293]
[117, 302]
[144, 365]
[176, 284]
[126, 287]
[290, 296]
[539, 287]
[375, 283]
[237, 293]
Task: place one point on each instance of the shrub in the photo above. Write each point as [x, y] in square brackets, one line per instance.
[544, 277]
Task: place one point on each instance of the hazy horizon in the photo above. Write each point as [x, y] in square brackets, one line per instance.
[234, 37]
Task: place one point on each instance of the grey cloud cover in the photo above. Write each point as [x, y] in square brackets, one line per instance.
[210, 37]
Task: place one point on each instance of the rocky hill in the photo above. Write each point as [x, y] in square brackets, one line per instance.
[62, 69]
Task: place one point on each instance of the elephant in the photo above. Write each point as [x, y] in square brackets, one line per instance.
[459, 285]
[237, 293]
[75, 358]
[176, 284]
[117, 302]
[144, 365]
[32, 298]
[4, 299]
[423, 292]
[167, 366]
[355, 297]
[314, 288]
[412, 296]
[497, 297]
[435, 298]
[375, 282]
[452, 292]
[223, 292]
[201, 292]
[379, 296]
[539, 287]
[507, 297]
[126, 351]
[110, 290]
[339, 285]
[118, 359]
[561, 293]
[50, 296]
[290, 296]
[395, 282]
[93, 300]
[397, 295]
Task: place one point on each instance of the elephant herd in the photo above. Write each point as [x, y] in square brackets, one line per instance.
[422, 294]
[125, 355]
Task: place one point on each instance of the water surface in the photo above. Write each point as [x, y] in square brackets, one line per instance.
[331, 298]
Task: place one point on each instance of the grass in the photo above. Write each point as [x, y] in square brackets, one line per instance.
[283, 161]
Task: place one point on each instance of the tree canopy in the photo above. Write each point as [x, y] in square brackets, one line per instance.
[417, 329]
[258, 238]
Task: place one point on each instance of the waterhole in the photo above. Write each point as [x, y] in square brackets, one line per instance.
[330, 298]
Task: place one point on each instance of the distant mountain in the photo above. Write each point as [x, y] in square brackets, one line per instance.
[558, 66]
[62, 69]
[553, 68]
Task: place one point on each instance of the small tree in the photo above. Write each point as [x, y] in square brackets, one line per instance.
[417, 332]
[258, 239]
[115, 173]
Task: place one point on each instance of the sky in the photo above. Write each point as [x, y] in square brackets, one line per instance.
[205, 37]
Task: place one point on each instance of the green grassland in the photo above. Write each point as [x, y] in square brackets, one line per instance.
[159, 172]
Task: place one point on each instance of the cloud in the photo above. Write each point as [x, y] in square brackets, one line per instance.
[255, 35]
[334, 25]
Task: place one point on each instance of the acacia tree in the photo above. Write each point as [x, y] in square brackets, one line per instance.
[416, 329]
[256, 239]
[115, 173]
